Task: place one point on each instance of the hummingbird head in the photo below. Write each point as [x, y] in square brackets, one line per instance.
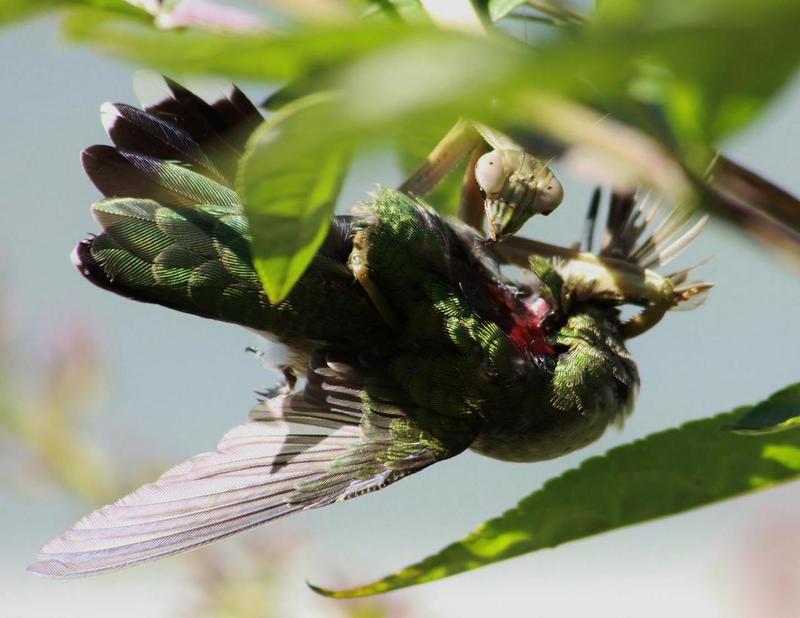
[515, 185]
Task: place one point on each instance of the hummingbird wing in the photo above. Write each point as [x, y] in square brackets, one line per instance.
[262, 470]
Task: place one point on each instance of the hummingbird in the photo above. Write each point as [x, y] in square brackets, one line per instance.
[407, 342]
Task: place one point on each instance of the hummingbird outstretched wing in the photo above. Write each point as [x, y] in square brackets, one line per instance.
[262, 470]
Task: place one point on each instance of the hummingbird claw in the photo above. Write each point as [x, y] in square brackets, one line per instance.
[283, 387]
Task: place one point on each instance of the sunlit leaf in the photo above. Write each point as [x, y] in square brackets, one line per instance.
[632, 51]
[663, 474]
[783, 413]
[498, 9]
[288, 195]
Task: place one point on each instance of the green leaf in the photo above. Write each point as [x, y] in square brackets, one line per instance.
[268, 56]
[632, 51]
[663, 474]
[412, 148]
[709, 99]
[783, 413]
[289, 195]
[637, 60]
[498, 9]
[16, 10]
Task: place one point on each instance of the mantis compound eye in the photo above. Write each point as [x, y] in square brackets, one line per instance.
[490, 172]
[549, 194]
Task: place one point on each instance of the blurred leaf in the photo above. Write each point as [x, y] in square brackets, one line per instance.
[556, 12]
[395, 76]
[413, 147]
[498, 9]
[207, 14]
[265, 56]
[648, 49]
[15, 10]
[446, 197]
[314, 10]
[782, 413]
[609, 151]
[409, 11]
[663, 474]
[706, 99]
[288, 199]
[454, 15]
[373, 102]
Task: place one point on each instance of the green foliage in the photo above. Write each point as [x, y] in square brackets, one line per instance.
[663, 474]
[289, 198]
[498, 9]
[688, 59]
[15, 10]
[782, 413]
[675, 78]
[679, 78]
[413, 147]
[270, 56]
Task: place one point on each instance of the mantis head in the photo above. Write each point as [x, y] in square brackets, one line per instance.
[515, 186]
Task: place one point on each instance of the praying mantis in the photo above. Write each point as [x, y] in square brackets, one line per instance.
[506, 186]
[503, 182]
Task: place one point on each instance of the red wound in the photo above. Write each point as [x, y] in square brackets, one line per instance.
[522, 320]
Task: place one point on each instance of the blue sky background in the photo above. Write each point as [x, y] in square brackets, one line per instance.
[176, 383]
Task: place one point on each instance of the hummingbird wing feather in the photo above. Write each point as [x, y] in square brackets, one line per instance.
[197, 259]
[261, 471]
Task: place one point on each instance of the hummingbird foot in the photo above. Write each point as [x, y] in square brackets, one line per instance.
[283, 387]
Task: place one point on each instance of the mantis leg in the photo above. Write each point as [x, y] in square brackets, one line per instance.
[443, 159]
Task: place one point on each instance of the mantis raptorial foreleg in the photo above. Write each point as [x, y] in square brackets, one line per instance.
[457, 144]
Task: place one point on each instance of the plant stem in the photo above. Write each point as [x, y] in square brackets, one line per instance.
[558, 12]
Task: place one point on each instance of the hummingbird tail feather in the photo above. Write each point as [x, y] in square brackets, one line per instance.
[173, 228]
[194, 260]
[174, 231]
[209, 137]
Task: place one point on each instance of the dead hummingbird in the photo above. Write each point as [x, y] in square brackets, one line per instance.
[413, 345]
